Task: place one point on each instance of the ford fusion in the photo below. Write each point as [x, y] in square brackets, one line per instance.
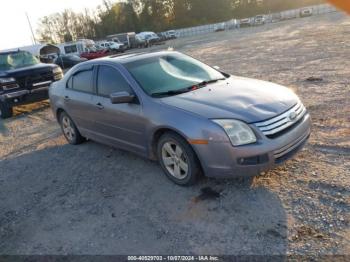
[192, 118]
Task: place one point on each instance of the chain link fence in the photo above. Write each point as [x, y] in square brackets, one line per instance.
[269, 18]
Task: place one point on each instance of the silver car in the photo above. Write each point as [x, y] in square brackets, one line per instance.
[192, 118]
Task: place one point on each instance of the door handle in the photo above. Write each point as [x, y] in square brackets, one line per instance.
[66, 98]
[100, 106]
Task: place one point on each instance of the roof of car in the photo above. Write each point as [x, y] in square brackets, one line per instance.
[123, 59]
[9, 52]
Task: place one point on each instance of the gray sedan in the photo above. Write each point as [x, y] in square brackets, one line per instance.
[192, 118]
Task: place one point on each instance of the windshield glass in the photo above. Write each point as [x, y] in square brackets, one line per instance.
[171, 72]
[16, 60]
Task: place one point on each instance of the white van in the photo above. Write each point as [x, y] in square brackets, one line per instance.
[78, 47]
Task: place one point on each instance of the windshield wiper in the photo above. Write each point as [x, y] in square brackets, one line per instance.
[204, 83]
[187, 89]
[172, 92]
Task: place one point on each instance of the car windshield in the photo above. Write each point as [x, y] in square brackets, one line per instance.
[171, 73]
[16, 60]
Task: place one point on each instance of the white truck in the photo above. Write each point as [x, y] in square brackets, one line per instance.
[112, 46]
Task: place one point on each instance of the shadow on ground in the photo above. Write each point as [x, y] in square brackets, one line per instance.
[92, 199]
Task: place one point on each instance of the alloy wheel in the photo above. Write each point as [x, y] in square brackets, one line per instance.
[68, 128]
[175, 160]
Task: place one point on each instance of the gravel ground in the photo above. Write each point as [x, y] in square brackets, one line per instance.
[92, 199]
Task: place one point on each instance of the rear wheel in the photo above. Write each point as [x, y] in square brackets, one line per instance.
[70, 131]
[5, 111]
[178, 159]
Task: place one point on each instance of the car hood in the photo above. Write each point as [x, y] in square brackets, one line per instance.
[246, 99]
[27, 70]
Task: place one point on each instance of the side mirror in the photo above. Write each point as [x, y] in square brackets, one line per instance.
[121, 98]
[216, 67]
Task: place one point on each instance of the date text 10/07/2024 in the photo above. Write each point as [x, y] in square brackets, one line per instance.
[173, 258]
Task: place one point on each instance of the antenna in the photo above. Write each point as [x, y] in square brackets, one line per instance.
[31, 28]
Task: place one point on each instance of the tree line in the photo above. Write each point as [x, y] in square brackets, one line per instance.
[152, 15]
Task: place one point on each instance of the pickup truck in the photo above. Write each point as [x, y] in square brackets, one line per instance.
[24, 80]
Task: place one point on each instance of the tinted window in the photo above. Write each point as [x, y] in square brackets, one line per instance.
[110, 81]
[82, 81]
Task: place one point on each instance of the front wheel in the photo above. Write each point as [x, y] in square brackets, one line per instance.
[70, 131]
[5, 111]
[178, 159]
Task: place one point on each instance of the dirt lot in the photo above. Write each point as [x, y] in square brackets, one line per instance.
[92, 199]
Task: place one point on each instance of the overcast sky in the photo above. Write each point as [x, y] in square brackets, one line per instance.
[14, 28]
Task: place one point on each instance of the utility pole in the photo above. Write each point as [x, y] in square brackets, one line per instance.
[31, 28]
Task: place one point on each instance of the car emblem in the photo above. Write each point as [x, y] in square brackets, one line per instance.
[292, 116]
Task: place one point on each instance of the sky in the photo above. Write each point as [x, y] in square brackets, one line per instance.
[14, 28]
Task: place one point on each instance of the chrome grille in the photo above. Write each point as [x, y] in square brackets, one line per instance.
[283, 121]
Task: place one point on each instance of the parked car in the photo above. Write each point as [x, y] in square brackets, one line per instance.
[127, 39]
[95, 54]
[233, 24]
[140, 42]
[305, 12]
[150, 37]
[246, 22]
[259, 20]
[171, 34]
[24, 80]
[220, 27]
[68, 61]
[112, 46]
[162, 37]
[191, 117]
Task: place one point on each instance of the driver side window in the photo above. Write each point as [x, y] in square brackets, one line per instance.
[109, 81]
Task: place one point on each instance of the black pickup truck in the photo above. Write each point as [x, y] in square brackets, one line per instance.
[24, 80]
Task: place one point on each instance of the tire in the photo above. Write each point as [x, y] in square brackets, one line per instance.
[5, 111]
[174, 154]
[69, 130]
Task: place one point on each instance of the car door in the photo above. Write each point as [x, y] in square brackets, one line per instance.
[79, 99]
[122, 125]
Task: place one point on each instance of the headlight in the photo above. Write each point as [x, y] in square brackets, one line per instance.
[57, 70]
[238, 132]
[7, 80]
[57, 73]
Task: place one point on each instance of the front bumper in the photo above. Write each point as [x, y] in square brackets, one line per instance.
[221, 159]
[23, 97]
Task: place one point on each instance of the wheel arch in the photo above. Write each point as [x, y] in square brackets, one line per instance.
[157, 134]
[59, 111]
